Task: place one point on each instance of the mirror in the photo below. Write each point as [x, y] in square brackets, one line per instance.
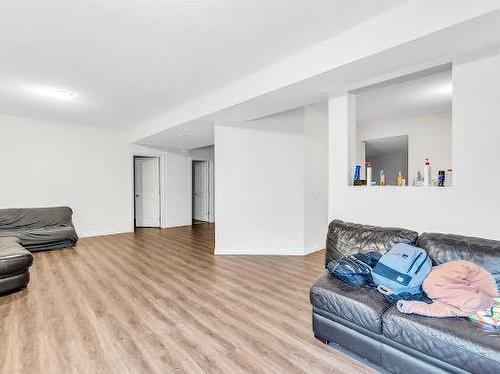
[401, 123]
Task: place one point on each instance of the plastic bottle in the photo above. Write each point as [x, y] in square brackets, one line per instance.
[427, 173]
[419, 180]
[382, 178]
[448, 181]
[357, 172]
[400, 178]
[441, 178]
[369, 174]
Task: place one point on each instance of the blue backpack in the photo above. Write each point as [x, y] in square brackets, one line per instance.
[402, 270]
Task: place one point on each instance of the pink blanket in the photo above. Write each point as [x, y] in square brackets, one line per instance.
[457, 289]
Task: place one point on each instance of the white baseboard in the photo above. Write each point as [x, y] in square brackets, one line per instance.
[171, 225]
[312, 250]
[90, 234]
[261, 252]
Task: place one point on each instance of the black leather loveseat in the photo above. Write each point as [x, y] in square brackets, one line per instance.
[362, 321]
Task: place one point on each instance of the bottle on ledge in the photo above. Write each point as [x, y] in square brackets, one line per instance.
[400, 178]
[369, 174]
[382, 178]
[427, 173]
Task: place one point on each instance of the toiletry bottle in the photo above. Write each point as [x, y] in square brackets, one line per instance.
[403, 182]
[441, 178]
[448, 181]
[400, 178]
[357, 172]
[419, 180]
[382, 178]
[369, 174]
[427, 173]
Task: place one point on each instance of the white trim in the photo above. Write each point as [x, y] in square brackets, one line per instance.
[160, 187]
[162, 161]
[313, 250]
[211, 194]
[264, 252]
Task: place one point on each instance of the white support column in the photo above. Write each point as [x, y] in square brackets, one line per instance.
[341, 145]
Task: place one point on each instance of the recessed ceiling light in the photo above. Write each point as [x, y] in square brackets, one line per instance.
[182, 136]
[54, 93]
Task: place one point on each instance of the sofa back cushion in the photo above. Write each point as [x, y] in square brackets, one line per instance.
[346, 238]
[448, 247]
[35, 218]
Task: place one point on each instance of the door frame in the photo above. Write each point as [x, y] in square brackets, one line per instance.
[211, 188]
[160, 194]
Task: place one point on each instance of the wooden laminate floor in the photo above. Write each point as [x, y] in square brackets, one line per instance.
[159, 301]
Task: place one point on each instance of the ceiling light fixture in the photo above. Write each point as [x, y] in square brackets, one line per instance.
[55, 93]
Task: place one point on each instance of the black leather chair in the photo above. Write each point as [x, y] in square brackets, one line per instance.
[363, 322]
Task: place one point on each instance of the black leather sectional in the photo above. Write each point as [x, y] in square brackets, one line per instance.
[23, 231]
[39, 229]
[15, 262]
[362, 321]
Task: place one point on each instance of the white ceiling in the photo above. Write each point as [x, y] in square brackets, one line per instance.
[189, 135]
[474, 38]
[408, 98]
[129, 60]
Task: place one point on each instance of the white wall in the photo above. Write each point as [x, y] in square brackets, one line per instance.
[259, 190]
[178, 188]
[271, 183]
[315, 176]
[87, 169]
[47, 164]
[428, 137]
[471, 206]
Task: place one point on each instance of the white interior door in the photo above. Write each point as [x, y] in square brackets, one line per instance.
[147, 192]
[201, 184]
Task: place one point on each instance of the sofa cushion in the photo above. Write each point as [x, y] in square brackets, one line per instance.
[44, 238]
[345, 238]
[35, 218]
[362, 306]
[448, 247]
[457, 341]
[13, 257]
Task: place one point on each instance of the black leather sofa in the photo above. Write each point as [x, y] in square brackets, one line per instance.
[23, 231]
[362, 321]
[39, 229]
